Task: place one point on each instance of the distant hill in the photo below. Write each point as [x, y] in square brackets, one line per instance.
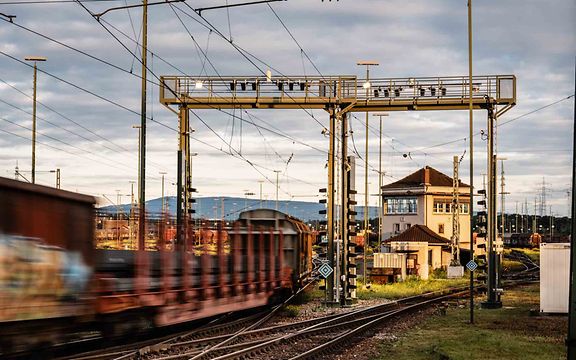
[211, 207]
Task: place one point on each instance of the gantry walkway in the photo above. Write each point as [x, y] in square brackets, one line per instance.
[356, 95]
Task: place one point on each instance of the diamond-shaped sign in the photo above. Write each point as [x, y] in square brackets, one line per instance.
[325, 270]
[471, 265]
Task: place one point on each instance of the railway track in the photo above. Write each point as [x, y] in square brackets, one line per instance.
[277, 342]
[531, 269]
[249, 337]
[218, 326]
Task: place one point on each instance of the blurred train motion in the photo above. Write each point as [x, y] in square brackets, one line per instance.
[55, 282]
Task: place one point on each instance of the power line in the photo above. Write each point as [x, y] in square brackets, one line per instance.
[37, 2]
[88, 91]
[124, 46]
[67, 144]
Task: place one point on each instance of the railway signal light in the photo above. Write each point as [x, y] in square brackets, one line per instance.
[482, 223]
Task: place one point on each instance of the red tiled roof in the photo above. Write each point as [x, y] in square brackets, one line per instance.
[426, 175]
[419, 233]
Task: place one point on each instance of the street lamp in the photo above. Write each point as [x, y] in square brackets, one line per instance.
[35, 59]
[366, 216]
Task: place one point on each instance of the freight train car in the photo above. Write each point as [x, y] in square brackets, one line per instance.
[46, 257]
[53, 282]
[296, 237]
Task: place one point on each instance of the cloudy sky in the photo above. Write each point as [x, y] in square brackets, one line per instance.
[89, 101]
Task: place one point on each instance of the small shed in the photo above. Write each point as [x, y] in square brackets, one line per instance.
[425, 249]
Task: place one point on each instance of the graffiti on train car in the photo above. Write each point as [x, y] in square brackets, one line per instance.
[38, 281]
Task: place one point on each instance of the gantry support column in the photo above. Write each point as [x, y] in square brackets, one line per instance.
[493, 296]
[330, 223]
[344, 226]
[183, 174]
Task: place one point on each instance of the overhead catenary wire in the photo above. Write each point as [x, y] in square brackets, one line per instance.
[126, 48]
[58, 148]
[278, 132]
[94, 94]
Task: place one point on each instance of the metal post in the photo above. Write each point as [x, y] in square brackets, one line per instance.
[34, 129]
[571, 339]
[261, 181]
[142, 180]
[366, 191]
[58, 178]
[277, 172]
[35, 59]
[502, 198]
[380, 210]
[118, 247]
[471, 140]
[163, 201]
[344, 224]
[455, 240]
[493, 297]
[330, 223]
[139, 151]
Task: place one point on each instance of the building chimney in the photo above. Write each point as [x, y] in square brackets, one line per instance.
[426, 175]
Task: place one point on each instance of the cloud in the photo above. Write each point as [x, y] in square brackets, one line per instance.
[534, 41]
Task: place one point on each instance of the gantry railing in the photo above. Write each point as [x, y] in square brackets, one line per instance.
[389, 94]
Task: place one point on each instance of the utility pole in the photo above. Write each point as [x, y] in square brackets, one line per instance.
[140, 285]
[57, 171]
[551, 225]
[261, 182]
[163, 200]
[493, 294]
[35, 59]
[118, 247]
[58, 178]
[330, 209]
[366, 168]
[455, 243]
[131, 220]
[527, 216]
[516, 213]
[534, 221]
[571, 339]
[277, 187]
[471, 140]
[502, 197]
[380, 115]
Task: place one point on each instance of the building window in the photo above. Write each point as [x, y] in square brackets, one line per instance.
[440, 228]
[396, 228]
[444, 206]
[407, 226]
[399, 205]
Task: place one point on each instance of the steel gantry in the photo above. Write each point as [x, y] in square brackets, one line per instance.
[338, 95]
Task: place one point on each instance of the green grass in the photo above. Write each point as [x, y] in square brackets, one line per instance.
[533, 254]
[410, 287]
[508, 333]
[512, 265]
